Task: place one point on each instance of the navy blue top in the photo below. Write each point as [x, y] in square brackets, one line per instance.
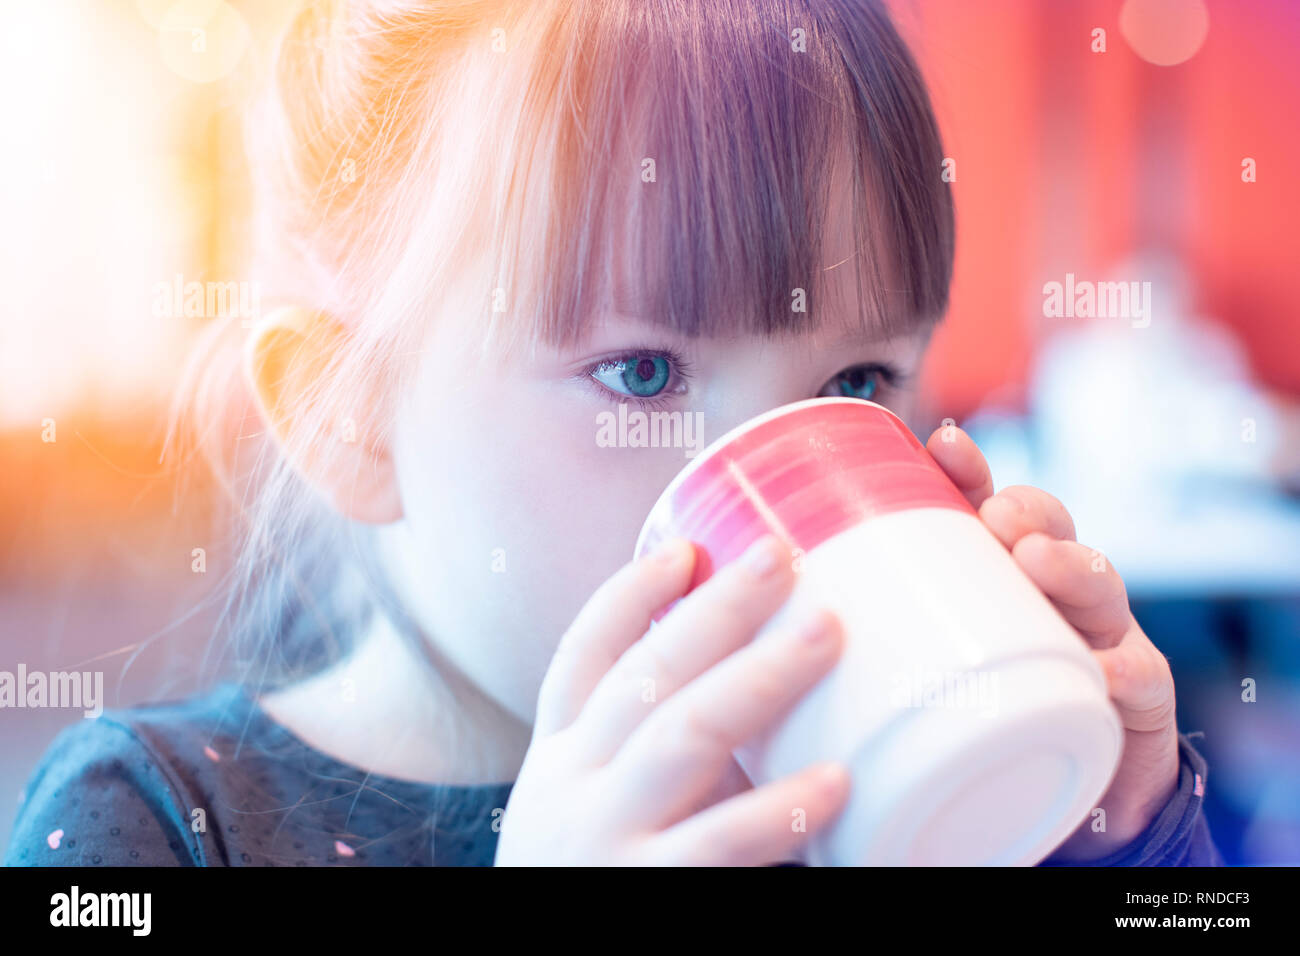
[213, 780]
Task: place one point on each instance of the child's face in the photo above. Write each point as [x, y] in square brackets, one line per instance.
[514, 512]
[515, 507]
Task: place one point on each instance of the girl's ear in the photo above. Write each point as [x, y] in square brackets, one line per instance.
[287, 357]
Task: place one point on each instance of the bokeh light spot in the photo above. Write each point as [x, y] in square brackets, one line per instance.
[201, 40]
[1164, 32]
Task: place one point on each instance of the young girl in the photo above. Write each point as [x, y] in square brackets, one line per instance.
[500, 220]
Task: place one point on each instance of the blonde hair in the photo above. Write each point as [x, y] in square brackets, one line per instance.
[427, 161]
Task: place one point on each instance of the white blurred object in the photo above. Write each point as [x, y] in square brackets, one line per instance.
[1159, 445]
[1151, 407]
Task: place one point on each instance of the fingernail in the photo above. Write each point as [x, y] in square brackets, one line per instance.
[830, 777]
[813, 627]
[668, 552]
[763, 557]
[1015, 503]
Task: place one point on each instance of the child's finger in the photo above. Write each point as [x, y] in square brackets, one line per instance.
[1139, 681]
[613, 619]
[764, 825]
[718, 617]
[1082, 584]
[962, 461]
[1018, 510]
[674, 757]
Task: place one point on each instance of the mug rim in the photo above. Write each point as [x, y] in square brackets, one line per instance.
[726, 438]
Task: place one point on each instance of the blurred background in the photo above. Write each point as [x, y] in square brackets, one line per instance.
[1146, 142]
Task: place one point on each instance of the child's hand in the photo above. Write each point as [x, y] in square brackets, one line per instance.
[1091, 596]
[631, 749]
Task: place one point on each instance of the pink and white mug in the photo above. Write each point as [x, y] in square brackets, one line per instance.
[974, 721]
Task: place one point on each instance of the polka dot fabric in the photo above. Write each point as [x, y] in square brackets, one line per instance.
[214, 781]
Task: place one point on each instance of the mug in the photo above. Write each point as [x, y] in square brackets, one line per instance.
[973, 719]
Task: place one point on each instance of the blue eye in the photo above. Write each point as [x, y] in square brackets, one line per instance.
[861, 381]
[640, 377]
[650, 377]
